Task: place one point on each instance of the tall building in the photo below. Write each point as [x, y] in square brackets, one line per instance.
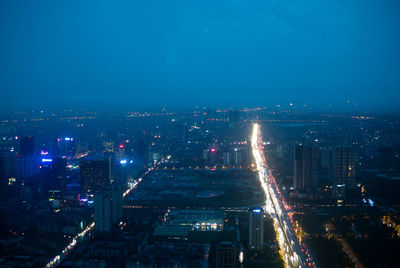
[256, 228]
[3, 180]
[107, 209]
[27, 146]
[27, 164]
[141, 152]
[343, 170]
[95, 175]
[27, 167]
[227, 255]
[102, 212]
[116, 205]
[306, 167]
[63, 147]
[46, 179]
[60, 173]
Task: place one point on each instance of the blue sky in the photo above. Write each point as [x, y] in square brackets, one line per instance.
[214, 53]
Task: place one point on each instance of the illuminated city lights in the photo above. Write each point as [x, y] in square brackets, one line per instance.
[290, 248]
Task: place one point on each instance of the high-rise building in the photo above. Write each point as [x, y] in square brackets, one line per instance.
[46, 179]
[227, 255]
[256, 228]
[27, 146]
[107, 209]
[60, 173]
[306, 167]
[141, 153]
[3, 181]
[343, 170]
[27, 166]
[102, 212]
[95, 175]
[63, 147]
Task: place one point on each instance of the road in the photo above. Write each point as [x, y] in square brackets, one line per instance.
[293, 253]
[82, 235]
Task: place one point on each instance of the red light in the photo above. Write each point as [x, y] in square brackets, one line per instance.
[121, 146]
[213, 150]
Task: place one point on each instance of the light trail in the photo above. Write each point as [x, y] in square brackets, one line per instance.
[80, 236]
[293, 253]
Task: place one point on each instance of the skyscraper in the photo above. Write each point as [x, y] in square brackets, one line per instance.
[141, 152]
[60, 173]
[107, 209]
[27, 146]
[3, 181]
[27, 164]
[116, 204]
[306, 167]
[102, 212]
[95, 175]
[256, 228]
[343, 170]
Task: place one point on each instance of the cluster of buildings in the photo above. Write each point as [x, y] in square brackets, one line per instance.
[314, 168]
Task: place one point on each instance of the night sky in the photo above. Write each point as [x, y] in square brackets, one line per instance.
[215, 53]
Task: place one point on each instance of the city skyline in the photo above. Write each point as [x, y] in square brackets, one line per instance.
[213, 134]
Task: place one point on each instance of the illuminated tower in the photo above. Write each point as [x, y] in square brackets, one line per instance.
[256, 228]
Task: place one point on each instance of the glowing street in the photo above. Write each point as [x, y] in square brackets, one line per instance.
[293, 253]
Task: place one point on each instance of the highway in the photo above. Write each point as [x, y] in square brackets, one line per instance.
[294, 253]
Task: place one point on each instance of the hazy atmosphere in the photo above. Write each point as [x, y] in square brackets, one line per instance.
[200, 134]
[215, 53]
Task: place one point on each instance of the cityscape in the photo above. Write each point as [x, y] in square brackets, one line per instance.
[211, 134]
[204, 188]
